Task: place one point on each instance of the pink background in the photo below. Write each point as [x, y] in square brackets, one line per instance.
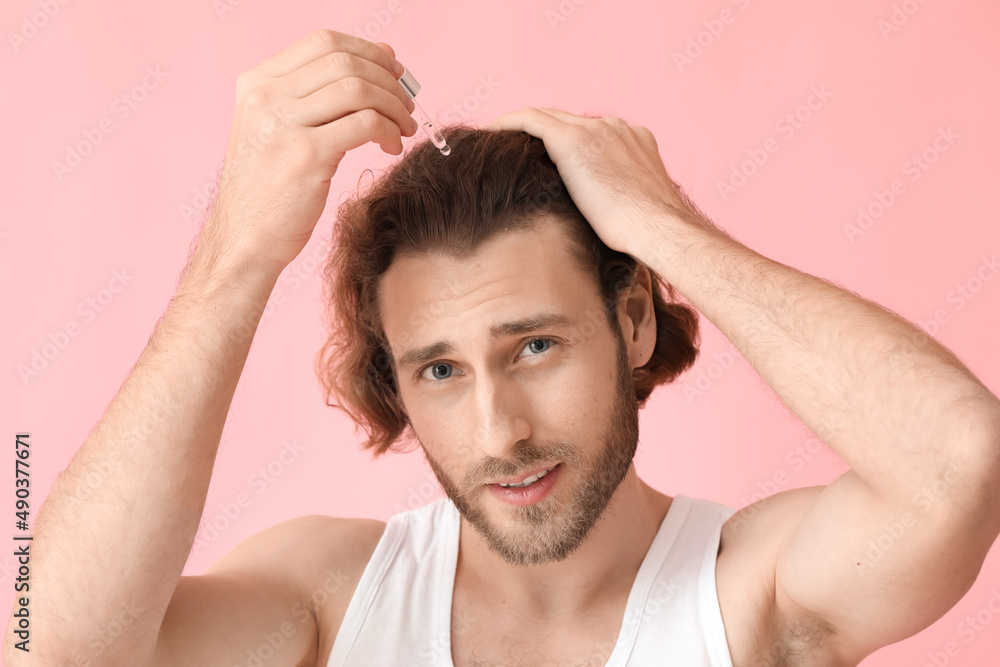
[129, 207]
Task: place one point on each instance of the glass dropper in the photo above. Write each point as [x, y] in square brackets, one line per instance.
[411, 87]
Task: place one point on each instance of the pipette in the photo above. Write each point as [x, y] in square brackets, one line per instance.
[411, 87]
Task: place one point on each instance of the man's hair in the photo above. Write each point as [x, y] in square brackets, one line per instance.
[492, 181]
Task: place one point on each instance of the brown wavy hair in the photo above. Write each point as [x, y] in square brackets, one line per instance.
[492, 181]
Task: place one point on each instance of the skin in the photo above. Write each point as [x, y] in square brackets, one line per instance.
[919, 431]
[900, 409]
[555, 394]
[131, 499]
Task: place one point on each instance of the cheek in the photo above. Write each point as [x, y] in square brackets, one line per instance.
[444, 439]
[592, 381]
[573, 405]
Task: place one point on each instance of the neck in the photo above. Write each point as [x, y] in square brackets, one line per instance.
[604, 566]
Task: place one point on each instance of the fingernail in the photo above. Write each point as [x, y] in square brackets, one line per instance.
[397, 68]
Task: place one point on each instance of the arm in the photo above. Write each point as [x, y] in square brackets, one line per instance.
[893, 403]
[920, 432]
[278, 596]
[114, 534]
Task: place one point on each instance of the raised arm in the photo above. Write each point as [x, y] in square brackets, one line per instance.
[892, 544]
[112, 538]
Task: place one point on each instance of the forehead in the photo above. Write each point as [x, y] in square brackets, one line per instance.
[428, 297]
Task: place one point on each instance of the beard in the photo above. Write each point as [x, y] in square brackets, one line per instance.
[551, 529]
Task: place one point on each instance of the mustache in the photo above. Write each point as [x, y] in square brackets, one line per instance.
[527, 458]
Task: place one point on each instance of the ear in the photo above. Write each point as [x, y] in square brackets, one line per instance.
[637, 317]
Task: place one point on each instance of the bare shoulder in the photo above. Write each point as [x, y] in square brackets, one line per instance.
[291, 581]
[339, 550]
[327, 555]
[745, 575]
[316, 548]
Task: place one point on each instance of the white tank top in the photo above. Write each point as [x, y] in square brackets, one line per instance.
[400, 614]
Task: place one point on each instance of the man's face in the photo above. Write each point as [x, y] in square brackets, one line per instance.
[489, 409]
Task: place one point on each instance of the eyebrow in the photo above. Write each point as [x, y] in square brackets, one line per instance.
[421, 355]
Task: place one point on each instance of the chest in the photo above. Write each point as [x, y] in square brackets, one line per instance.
[486, 633]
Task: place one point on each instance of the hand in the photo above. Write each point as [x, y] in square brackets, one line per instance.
[613, 172]
[297, 114]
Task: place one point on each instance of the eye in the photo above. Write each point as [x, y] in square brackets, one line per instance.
[531, 345]
[438, 370]
[441, 370]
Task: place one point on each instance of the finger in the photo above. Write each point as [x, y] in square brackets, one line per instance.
[355, 130]
[332, 67]
[644, 134]
[319, 43]
[388, 49]
[568, 117]
[591, 121]
[346, 96]
[531, 120]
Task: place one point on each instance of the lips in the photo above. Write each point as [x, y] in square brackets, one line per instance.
[517, 479]
[533, 493]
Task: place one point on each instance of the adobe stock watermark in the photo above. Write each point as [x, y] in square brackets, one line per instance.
[917, 340]
[8, 569]
[224, 7]
[247, 148]
[202, 199]
[259, 654]
[562, 12]
[895, 532]
[88, 309]
[108, 635]
[914, 166]
[87, 481]
[968, 630]
[461, 111]
[297, 273]
[900, 16]
[790, 123]
[425, 493]
[260, 480]
[759, 328]
[32, 24]
[472, 617]
[795, 460]
[121, 108]
[705, 38]
[380, 20]
[962, 293]
[657, 603]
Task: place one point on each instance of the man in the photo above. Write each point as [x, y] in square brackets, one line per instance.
[586, 564]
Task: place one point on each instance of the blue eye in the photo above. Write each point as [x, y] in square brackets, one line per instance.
[439, 365]
[442, 368]
[530, 345]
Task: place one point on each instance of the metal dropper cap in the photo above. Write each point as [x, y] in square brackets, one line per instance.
[409, 84]
[411, 87]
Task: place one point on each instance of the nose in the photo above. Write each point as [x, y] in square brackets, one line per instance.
[501, 422]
